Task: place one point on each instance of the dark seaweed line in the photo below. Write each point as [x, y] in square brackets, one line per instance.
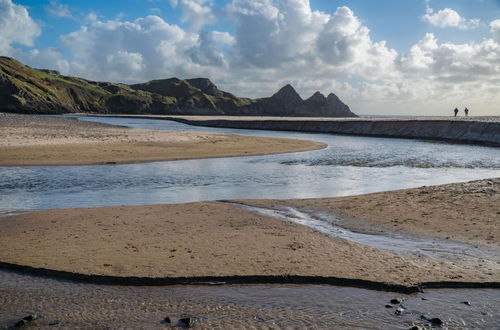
[240, 279]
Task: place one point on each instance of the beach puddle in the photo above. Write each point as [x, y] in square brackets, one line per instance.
[402, 244]
[65, 304]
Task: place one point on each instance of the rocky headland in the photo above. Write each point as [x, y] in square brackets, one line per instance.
[36, 91]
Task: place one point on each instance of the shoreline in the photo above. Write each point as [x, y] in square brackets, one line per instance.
[220, 242]
[44, 141]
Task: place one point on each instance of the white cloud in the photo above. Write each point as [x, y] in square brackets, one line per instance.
[58, 9]
[288, 34]
[345, 42]
[454, 62]
[16, 26]
[495, 30]
[124, 61]
[143, 49]
[449, 18]
[48, 58]
[210, 49]
[270, 33]
[197, 13]
[91, 17]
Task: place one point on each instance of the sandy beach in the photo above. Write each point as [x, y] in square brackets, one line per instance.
[36, 140]
[221, 239]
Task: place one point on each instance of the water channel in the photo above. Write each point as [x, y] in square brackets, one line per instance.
[350, 165]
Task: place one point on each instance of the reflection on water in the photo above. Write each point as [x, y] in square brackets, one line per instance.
[73, 305]
[350, 165]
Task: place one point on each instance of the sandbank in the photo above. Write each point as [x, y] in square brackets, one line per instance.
[216, 239]
[37, 140]
[467, 212]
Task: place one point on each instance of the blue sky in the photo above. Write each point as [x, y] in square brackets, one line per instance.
[384, 56]
[397, 21]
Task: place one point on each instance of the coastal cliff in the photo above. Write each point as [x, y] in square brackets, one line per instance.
[37, 91]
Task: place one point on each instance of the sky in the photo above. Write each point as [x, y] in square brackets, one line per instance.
[405, 57]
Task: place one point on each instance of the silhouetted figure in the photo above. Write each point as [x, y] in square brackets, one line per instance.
[466, 112]
[456, 112]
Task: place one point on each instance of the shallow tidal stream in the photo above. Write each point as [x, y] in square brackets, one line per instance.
[350, 165]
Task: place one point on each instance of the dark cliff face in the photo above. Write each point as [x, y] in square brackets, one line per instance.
[27, 90]
[286, 100]
[322, 106]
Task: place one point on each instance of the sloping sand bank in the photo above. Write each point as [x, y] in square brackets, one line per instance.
[215, 240]
[467, 212]
[35, 140]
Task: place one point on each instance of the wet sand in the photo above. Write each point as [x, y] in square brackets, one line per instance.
[68, 305]
[467, 212]
[36, 141]
[220, 239]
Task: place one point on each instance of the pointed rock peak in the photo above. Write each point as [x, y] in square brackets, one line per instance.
[317, 97]
[332, 97]
[287, 92]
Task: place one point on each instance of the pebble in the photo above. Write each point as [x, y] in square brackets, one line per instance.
[24, 321]
[186, 322]
[399, 311]
[436, 321]
[395, 301]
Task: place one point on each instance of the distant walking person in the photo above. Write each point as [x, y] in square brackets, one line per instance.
[466, 112]
[456, 112]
